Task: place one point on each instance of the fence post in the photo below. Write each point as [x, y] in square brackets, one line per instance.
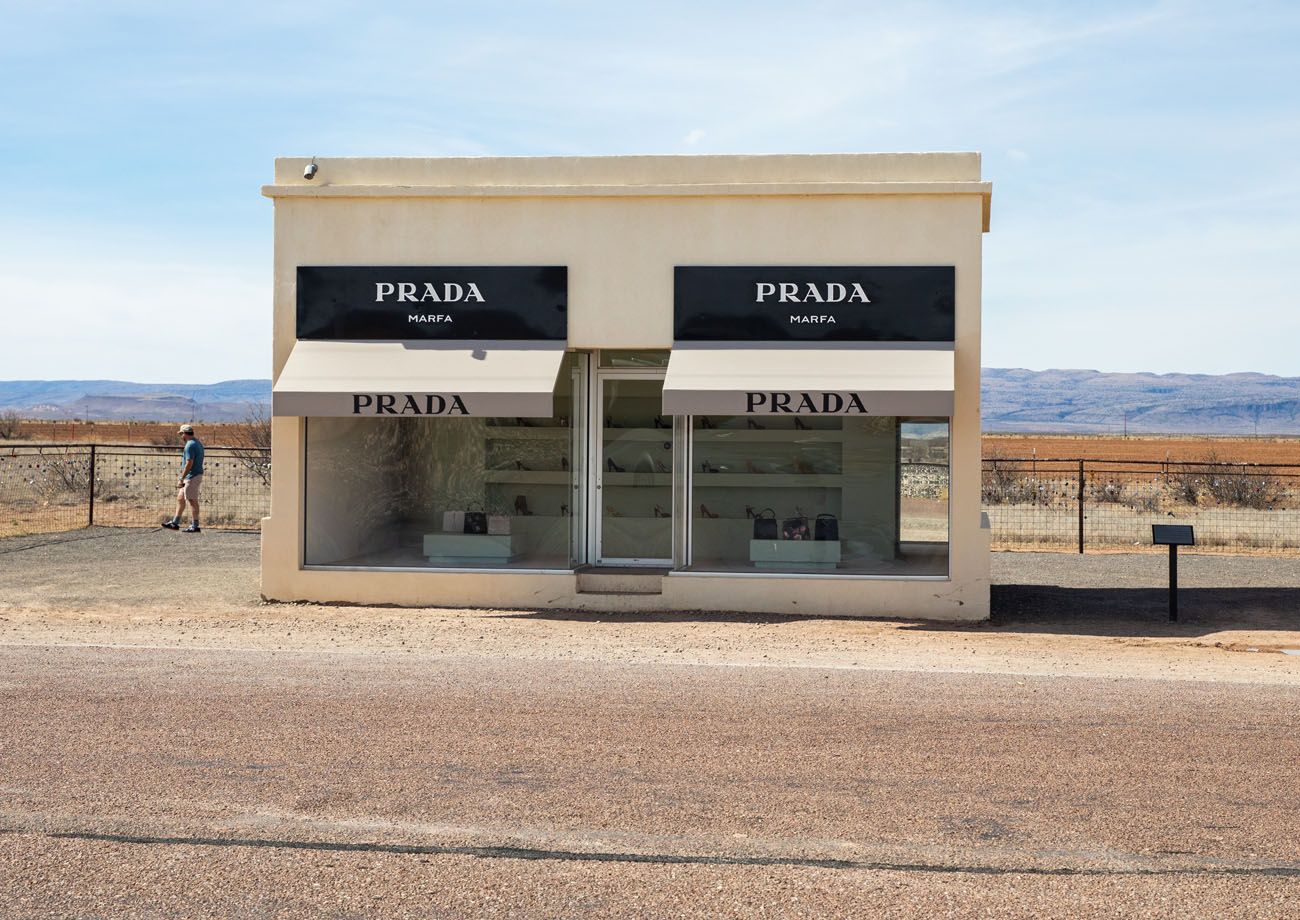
[91, 522]
[1080, 507]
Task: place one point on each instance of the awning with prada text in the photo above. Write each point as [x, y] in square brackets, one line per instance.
[417, 378]
[901, 380]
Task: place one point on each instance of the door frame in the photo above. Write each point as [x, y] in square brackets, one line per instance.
[596, 476]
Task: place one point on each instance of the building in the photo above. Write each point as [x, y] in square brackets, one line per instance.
[630, 383]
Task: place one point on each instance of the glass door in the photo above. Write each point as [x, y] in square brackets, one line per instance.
[634, 471]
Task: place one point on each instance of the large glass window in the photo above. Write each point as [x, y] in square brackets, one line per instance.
[446, 492]
[819, 495]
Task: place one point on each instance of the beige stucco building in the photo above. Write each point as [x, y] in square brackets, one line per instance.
[717, 383]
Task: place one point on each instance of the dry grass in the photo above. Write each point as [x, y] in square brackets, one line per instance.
[1155, 449]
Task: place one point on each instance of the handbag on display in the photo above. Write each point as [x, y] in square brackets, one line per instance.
[498, 524]
[453, 522]
[475, 522]
[795, 528]
[765, 525]
[826, 527]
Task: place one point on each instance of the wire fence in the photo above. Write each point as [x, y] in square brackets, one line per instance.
[1033, 504]
[54, 487]
[1078, 505]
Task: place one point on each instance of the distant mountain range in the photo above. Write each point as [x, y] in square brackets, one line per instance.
[1092, 402]
[1072, 401]
[109, 400]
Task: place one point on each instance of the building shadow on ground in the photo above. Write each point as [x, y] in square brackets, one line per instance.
[1138, 611]
[1043, 609]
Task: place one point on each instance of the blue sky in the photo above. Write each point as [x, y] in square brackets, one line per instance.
[1146, 205]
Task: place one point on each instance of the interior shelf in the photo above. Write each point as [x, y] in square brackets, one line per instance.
[783, 435]
[524, 433]
[778, 480]
[542, 477]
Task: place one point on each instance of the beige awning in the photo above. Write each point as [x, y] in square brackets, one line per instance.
[391, 379]
[836, 380]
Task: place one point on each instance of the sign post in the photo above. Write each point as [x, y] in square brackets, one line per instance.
[1173, 536]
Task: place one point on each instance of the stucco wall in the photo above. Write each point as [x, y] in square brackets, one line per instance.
[620, 248]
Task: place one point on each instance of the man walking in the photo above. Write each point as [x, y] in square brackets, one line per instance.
[187, 489]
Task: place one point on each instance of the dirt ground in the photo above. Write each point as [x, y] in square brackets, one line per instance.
[186, 750]
[218, 783]
[1144, 447]
[1054, 614]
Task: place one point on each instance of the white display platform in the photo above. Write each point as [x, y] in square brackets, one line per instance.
[470, 548]
[775, 554]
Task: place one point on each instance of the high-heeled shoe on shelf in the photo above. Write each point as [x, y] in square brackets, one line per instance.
[519, 465]
[749, 511]
[523, 422]
[800, 424]
[564, 510]
[708, 467]
[705, 512]
[706, 422]
[521, 506]
[661, 513]
[613, 467]
[662, 467]
[564, 464]
[753, 425]
[661, 422]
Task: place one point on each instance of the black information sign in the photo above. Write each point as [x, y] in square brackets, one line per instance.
[814, 303]
[435, 302]
[1172, 535]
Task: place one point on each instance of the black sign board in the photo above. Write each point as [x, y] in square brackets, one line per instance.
[809, 303]
[1172, 535]
[433, 302]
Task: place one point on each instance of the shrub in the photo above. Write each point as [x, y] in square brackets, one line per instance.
[1226, 483]
[251, 443]
[1006, 483]
[65, 473]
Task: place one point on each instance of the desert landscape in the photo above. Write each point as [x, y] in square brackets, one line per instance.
[1241, 494]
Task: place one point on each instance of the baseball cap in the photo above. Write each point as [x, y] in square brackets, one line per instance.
[186, 429]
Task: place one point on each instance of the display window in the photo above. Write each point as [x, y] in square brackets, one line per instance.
[846, 495]
[447, 492]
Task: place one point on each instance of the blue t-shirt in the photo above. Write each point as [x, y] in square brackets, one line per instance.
[193, 451]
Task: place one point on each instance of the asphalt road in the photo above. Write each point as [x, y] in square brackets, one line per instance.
[253, 783]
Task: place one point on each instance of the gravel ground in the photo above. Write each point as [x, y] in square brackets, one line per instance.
[174, 747]
[255, 784]
[158, 588]
[101, 565]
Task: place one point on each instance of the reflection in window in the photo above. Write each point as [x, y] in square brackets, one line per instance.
[819, 495]
[443, 492]
[923, 489]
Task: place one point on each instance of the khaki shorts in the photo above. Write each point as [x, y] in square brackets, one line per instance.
[190, 491]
